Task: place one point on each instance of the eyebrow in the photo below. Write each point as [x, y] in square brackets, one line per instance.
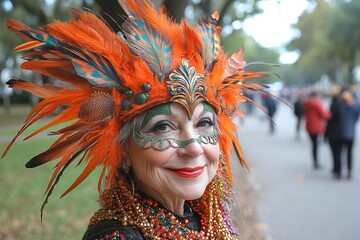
[207, 108]
[163, 109]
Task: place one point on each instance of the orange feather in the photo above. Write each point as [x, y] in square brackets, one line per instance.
[44, 91]
[28, 46]
[76, 51]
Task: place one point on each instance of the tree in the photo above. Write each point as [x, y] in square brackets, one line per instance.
[176, 9]
[41, 12]
[34, 13]
[229, 10]
[329, 41]
[346, 34]
[313, 43]
[233, 9]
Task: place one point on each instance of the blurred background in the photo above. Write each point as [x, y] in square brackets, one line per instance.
[315, 44]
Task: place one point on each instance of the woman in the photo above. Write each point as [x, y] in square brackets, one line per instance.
[315, 118]
[332, 132]
[348, 112]
[299, 112]
[271, 107]
[170, 175]
[153, 107]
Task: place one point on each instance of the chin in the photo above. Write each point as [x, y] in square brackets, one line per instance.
[193, 193]
[193, 197]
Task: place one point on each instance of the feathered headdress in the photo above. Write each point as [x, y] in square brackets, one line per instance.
[109, 78]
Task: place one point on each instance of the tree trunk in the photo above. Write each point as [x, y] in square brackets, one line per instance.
[351, 76]
[334, 71]
[115, 15]
[224, 9]
[176, 9]
[205, 6]
[112, 13]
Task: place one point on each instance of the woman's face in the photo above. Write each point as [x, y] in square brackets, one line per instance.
[174, 155]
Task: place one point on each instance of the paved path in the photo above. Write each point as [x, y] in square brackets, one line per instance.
[296, 202]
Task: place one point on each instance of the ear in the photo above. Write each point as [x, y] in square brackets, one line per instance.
[126, 164]
[125, 157]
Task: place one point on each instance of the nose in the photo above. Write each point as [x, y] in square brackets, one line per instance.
[192, 149]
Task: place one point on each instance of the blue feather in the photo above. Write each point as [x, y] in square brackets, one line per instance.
[211, 39]
[146, 41]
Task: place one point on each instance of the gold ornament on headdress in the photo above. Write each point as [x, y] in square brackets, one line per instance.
[187, 87]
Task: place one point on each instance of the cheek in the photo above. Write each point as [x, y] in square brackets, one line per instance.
[212, 152]
[148, 157]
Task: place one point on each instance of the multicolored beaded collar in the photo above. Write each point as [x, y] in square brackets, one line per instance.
[123, 204]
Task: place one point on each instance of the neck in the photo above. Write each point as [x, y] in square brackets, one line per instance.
[171, 203]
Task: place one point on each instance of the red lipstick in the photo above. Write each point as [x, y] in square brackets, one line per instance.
[189, 172]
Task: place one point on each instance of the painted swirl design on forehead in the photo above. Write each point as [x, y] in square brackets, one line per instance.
[146, 141]
[187, 87]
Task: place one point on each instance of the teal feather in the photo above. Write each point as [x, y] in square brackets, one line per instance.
[211, 40]
[42, 37]
[95, 68]
[148, 43]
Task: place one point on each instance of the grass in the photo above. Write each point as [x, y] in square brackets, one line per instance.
[22, 190]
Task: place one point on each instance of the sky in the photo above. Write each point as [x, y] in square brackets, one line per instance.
[272, 28]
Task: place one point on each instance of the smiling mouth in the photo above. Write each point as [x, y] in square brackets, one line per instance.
[188, 172]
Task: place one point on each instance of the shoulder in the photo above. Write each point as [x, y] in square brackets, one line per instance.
[309, 102]
[357, 107]
[114, 229]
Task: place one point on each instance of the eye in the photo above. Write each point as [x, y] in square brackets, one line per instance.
[162, 127]
[205, 123]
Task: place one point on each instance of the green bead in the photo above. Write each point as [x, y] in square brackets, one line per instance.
[141, 98]
[129, 93]
[146, 87]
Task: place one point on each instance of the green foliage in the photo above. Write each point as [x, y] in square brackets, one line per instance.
[229, 10]
[34, 13]
[346, 27]
[22, 190]
[330, 40]
[315, 47]
[294, 76]
[346, 34]
[253, 52]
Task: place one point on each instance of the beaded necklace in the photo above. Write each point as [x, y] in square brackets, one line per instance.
[122, 203]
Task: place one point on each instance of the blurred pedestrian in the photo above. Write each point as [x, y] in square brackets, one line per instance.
[299, 113]
[249, 104]
[332, 135]
[315, 117]
[271, 106]
[348, 113]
